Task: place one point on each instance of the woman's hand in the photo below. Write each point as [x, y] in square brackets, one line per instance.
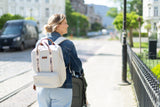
[34, 87]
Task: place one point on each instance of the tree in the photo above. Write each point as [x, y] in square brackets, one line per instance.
[112, 12]
[69, 11]
[131, 23]
[30, 18]
[4, 18]
[17, 16]
[96, 26]
[132, 5]
[136, 6]
[8, 16]
[121, 3]
[78, 23]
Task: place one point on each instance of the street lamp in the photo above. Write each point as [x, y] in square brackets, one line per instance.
[124, 48]
[139, 20]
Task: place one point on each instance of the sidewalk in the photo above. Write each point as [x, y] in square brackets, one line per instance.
[103, 75]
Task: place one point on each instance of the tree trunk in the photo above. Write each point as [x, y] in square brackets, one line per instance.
[131, 37]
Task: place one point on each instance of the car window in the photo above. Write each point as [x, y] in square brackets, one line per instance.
[12, 28]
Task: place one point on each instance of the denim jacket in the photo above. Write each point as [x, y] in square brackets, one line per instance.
[72, 62]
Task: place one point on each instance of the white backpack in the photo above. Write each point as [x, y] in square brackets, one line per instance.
[48, 64]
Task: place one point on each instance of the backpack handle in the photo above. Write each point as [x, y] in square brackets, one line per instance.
[50, 54]
[49, 40]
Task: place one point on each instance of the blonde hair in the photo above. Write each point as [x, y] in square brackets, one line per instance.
[53, 22]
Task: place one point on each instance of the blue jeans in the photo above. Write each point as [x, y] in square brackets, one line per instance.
[54, 97]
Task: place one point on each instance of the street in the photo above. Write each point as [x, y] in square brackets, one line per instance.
[16, 72]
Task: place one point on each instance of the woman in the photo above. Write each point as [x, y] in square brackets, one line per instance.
[62, 96]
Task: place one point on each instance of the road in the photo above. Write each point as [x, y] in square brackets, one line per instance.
[16, 72]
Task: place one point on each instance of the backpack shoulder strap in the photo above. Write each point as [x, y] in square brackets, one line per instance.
[60, 40]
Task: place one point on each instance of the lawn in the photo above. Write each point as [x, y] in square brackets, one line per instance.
[143, 44]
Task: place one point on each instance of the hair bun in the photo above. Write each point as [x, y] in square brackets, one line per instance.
[48, 28]
[53, 22]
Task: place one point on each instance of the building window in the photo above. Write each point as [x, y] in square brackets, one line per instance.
[155, 0]
[21, 11]
[47, 12]
[36, 0]
[29, 0]
[155, 11]
[149, 11]
[47, 1]
[12, 10]
[35, 13]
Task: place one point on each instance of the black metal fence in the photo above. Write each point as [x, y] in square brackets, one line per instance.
[145, 84]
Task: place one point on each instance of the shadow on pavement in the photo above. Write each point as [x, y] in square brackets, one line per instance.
[102, 54]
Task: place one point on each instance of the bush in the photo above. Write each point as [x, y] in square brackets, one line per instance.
[156, 70]
[30, 18]
[96, 26]
[136, 34]
[79, 24]
[144, 34]
[153, 36]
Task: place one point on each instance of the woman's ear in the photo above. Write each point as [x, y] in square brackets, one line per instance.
[57, 28]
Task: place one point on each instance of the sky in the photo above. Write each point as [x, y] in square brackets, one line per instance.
[108, 3]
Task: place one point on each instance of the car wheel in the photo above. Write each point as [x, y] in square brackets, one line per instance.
[1, 50]
[22, 47]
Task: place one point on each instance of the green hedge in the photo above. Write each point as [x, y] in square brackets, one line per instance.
[136, 34]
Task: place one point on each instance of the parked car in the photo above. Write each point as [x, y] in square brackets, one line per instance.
[18, 34]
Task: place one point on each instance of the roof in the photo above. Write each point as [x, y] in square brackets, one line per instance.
[22, 21]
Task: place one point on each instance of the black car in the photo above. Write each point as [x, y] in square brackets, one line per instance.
[18, 34]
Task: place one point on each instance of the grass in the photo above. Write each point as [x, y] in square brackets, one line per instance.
[143, 45]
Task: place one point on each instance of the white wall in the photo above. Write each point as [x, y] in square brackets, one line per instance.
[32, 8]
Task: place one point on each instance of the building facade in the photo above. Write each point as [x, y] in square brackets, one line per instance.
[78, 6]
[92, 16]
[41, 10]
[151, 13]
[3, 6]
